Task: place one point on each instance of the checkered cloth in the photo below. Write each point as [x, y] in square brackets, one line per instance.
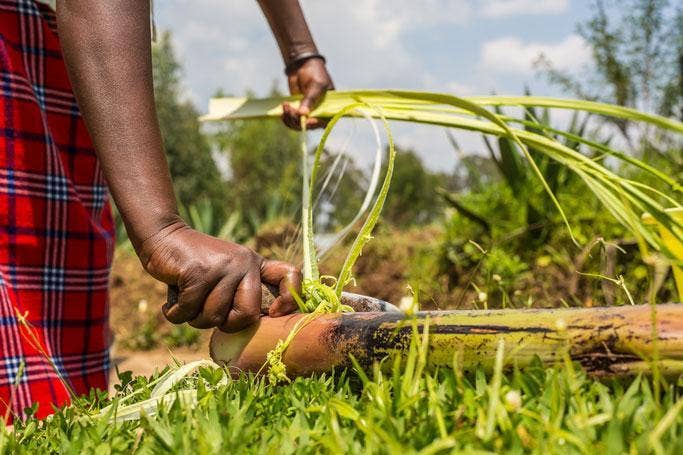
[56, 229]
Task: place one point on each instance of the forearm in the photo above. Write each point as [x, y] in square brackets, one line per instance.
[107, 49]
[286, 20]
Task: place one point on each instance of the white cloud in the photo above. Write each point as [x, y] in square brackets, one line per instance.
[512, 55]
[460, 89]
[407, 14]
[227, 43]
[366, 41]
[501, 8]
[422, 45]
[367, 38]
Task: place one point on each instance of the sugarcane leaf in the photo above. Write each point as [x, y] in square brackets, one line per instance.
[621, 198]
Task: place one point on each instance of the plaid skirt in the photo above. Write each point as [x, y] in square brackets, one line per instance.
[56, 228]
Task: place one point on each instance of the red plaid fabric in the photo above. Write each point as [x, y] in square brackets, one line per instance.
[56, 229]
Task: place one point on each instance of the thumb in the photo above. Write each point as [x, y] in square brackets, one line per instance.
[288, 280]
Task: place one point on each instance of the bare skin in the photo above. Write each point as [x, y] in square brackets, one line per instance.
[107, 50]
[294, 38]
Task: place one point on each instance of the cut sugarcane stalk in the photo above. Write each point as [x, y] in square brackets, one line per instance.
[606, 341]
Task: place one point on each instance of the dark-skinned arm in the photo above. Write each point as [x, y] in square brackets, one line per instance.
[305, 68]
[107, 50]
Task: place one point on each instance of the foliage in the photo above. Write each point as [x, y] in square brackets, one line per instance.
[625, 200]
[519, 176]
[318, 297]
[515, 268]
[148, 336]
[264, 169]
[413, 199]
[194, 172]
[536, 152]
[521, 243]
[395, 259]
[339, 193]
[393, 407]
[515, 218]
[637, 49]
[204, 216]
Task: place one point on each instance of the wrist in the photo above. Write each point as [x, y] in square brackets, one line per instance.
[166, 226]
[295, 48]
[292, 65]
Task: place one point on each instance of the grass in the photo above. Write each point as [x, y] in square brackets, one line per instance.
[538, 409]
[401, 407]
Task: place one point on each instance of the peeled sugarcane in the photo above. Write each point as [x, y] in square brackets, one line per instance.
[605, 341]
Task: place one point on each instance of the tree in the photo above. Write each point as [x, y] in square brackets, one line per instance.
[637, 57]
[340, 199]
[265, 174]
[637, 50]
[195, 174]
[412, 198]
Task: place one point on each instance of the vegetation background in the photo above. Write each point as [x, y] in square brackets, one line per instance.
[483, 235]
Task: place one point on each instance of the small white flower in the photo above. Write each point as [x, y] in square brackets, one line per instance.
[406, 303]
[513, 399]
[482, 297]
[497, 278]
[142, 306]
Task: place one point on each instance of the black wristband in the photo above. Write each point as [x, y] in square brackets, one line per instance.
[300, 60]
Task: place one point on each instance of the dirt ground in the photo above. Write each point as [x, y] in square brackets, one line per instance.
[134, 296]
[136, 319]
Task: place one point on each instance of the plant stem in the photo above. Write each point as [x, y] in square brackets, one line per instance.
[310, 262]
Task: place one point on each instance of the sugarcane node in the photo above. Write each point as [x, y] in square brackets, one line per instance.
[606, 341]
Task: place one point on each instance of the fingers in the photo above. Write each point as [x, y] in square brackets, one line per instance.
[218, 282]
[313, 81]
[233, 304]
[312, 95]
[288, 280]
[314, 123]
[290, 116]
[246, 306]
[217, 304]
[191, 297]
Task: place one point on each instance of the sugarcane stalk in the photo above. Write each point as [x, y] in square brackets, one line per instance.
[605, 341]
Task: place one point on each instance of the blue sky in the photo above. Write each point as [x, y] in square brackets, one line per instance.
[465, 47]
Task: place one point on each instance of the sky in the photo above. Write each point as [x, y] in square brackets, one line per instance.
[464, 47]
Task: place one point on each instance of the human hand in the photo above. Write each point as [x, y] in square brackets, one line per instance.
[312, 80]
[219, 282]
